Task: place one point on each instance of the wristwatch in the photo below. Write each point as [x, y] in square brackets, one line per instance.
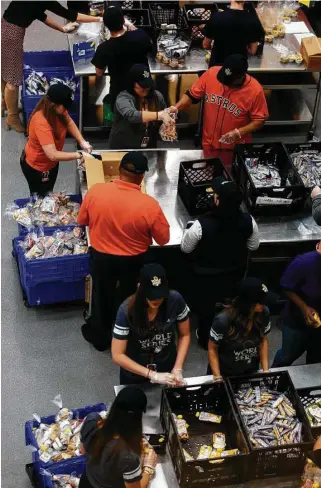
[148, 470]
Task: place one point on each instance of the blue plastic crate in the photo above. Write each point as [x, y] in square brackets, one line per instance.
[74, 115]
[75, 466]
[22, 202]
[52, 280]
[78, 413]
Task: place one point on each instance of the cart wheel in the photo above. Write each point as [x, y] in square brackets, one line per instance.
[13, 254]
[26, 304]
[86, 315]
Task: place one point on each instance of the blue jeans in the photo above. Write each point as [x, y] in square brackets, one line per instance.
[295, 342]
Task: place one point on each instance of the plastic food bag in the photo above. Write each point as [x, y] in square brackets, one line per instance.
[168, 131]
[59, 244]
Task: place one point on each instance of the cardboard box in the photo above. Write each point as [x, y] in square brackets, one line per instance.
[106, 170]
[311, 53]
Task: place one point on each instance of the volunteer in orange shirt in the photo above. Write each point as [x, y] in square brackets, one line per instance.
[234, 107]
[122, 223]
[48, 126]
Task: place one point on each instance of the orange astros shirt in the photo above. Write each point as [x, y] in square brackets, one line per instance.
[41, 134]
[227, 108]
[122, 220]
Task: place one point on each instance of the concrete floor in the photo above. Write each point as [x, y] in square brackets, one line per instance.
[43, 353]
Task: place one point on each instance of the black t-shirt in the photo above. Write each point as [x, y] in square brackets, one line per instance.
[119, 54]
[239, 355]
[118, 464]
[24, 13]
[232, 31]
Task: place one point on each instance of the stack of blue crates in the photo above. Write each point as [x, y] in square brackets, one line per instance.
[53, 64]
[45, 471]
[51, 280]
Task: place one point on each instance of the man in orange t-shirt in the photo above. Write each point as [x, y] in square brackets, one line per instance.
[122, 223]
[234, 107]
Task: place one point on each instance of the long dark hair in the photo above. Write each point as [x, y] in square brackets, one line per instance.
[47, 107]
[119, 422]
[137, 312]
[244, 319]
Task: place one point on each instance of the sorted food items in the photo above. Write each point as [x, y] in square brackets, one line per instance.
[167, 130]
[65, 481]
[308, 164]
[204, 452]
[294, 57]
[181, 426]
[219, 441]
[59, 244]
[265, 174]
[60, 440]
[171, 49]
[210, 417]
[54, 210]
[37, 83]
[188, 457]
[269, 417]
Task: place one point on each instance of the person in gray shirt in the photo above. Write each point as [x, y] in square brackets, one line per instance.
[316, 204]
[138, 112]
[114, 447]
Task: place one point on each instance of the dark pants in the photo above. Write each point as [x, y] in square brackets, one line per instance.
[35, 178]
[295, 342]
[108, 271]
[84, 483]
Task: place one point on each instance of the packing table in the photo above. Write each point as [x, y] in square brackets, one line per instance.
[302, 376]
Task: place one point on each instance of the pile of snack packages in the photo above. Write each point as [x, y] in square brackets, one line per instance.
[313, 411]
[61, 440]
[274, 15]
[264, 174]
[269, 417]
[206, 452]
[171, 48]
[59, 244]
[167, 130]
[308, 164]
[311, 476]
[37, 83]
[65, 481]
[56, 209]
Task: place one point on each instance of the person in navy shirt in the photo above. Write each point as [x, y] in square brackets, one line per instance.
[151, 335]
[301, 330]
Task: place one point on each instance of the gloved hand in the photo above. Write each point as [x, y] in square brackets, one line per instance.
[86, 146]
[164, 116]
[70, 27]
[150, 459]
[178, 377]
[218, 379]
[162, 378]
[173, 110]
[230, 137]
[316, 191]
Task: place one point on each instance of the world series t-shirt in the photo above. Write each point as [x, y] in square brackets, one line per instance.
[241, 354]
[158, 345]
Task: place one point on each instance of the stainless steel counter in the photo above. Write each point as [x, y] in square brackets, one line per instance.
[161, 183]
[302, 376]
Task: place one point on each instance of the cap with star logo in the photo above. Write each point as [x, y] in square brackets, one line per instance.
[253, 290]
[140, 74]
[234, 67]
[153, 281]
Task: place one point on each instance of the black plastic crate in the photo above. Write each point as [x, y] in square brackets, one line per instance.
[199, 13]
[168, 13]
[293, 196]
[194, 183]
[187, 401]
[307, 146]
[285, 460]
[139, 17]
[308, 396]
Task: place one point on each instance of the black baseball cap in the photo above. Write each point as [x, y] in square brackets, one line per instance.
[253, 290]
[153, 279]
[235, 66]
[114, 18]
[139, 73]
[61, 94]
[227, 191]
[134, 162]
[131, 399]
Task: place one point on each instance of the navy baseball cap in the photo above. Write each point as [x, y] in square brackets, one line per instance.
[140, 74]
[61, 94]
[131, 399]
[234, 67]
[154, 281]
[253, 290]
[227, 191]
[134, 162]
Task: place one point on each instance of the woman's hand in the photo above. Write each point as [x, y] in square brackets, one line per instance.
[316, 191]
[150, 459]
[86, 146]
[218, 379]
[162, 378]
[70, 27]
[178, 377]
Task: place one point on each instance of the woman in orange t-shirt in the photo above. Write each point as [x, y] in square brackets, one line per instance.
[48, 126]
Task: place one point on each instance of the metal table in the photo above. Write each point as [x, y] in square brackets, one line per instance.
[302, 376]
[287, 105]
[161, 183]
